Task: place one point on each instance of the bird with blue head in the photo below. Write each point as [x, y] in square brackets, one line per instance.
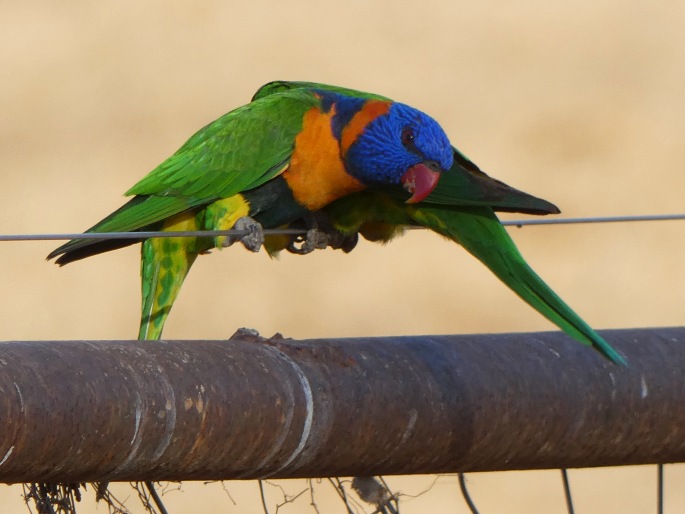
[300, 152]
[291, 151]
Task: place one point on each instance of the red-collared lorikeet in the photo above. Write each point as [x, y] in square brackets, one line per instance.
[291, 152]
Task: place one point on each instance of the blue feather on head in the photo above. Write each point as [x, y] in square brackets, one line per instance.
[403, 146]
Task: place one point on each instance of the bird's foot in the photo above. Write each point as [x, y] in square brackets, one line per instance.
[315, 239]
[318, 239]
[253, 240]
[320, 235]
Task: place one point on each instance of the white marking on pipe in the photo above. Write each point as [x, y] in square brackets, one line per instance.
[139, 415]
[7, 455]
[169, 413]
[309, 406]
[644, 390]
[21, 398]
[613, 383]
[413, 416]
[135, 440]
[285, 429]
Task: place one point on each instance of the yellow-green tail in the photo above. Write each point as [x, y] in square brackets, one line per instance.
[165, 262]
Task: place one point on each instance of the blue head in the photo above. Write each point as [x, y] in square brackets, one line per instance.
[401, 146]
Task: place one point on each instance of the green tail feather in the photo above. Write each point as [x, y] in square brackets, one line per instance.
[480, 232]
[164, 266]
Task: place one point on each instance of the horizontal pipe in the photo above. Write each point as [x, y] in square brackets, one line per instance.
[86, 411]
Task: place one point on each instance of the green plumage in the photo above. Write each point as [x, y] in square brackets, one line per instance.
[480, 232]
[239, 151]
[223, 172]
[231, 169]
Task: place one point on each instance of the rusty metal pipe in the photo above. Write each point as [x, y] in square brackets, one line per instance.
[73, 411]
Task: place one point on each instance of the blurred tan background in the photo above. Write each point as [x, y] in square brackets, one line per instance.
[580, 103]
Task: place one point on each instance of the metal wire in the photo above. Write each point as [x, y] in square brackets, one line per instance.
[660, 489]
[465, 494]
[144, 235]
[296, 232]
[567, 491]
[597, 219]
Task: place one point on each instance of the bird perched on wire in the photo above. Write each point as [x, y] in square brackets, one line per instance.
[286, 157]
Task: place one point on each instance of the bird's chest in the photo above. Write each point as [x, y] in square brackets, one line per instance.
[317, 174]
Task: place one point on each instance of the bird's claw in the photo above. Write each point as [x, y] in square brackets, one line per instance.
[318, 239]
[253, 240]
[315, 239]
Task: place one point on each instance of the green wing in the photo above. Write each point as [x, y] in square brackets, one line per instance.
[239, 151]
[464, 184]
[479, 231]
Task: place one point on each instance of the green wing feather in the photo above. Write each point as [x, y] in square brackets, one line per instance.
[239, 151]
[464, 184]
[479, 231]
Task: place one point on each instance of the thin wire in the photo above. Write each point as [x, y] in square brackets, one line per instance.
[567, 491]
[296, 232]
[155, 497]
[145, 235]
[261, 492]
[465, 493]
[660, 489]
[597, 219]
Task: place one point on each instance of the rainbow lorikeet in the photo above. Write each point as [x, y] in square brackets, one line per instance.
[283, 158]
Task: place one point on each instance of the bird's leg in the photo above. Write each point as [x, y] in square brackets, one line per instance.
[320, 235]
[232, 213]
[314, 239]
[253, 240]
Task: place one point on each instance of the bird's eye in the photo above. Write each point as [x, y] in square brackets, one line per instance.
[408, 136]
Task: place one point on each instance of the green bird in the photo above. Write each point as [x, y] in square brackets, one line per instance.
[333, 160]
[288, 153]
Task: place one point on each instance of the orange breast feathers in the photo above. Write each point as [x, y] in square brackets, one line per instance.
[316, 173]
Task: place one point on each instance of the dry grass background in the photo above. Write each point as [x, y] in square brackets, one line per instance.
[580, 103]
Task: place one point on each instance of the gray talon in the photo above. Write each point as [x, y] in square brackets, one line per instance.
[315, 239]
[318, 239]
[254, 239]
